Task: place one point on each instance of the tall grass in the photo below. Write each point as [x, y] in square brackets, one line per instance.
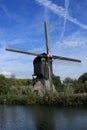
[59, 99]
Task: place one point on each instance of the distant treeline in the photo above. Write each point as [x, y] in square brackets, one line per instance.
[20, 86]
[70, 85]
[13, 85]
[19, 91]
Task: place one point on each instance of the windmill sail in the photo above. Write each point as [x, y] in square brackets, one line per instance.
[65, 58]
[43, 66]
[23, 52]
[46, 37]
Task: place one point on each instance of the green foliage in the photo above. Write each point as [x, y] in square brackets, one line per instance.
[78, 86]
[85, 86]
[68, 90]
[56, 99]
[68, 86]
[19, 91]
[3, 87]
[2, 99]
[68, 80]
[57, 83]
[83, 78]
[16, 100]
[33, 98]
[13, 90]
[13, 85]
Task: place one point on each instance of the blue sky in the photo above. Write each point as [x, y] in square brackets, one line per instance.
[21, 27]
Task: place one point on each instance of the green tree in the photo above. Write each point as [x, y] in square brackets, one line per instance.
[85, 86]
[67, 81]
[78, 86]
[68, 86]
[57, 83]
[3, 88]
[83, 78]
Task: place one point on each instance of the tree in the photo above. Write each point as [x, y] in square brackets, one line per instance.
[83, 78]
[3, 88]
[67, 81]
[57, 83]
[78, 86]
[85, 86]
[68, 86]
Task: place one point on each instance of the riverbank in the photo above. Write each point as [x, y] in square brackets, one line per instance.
[55, 99]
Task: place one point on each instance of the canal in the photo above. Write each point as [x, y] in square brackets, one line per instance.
[42, 118]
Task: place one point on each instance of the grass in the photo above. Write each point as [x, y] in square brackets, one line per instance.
[59, 99]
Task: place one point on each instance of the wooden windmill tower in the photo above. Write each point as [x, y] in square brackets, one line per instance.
[43, 67]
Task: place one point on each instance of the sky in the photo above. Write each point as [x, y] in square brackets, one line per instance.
[22, 27]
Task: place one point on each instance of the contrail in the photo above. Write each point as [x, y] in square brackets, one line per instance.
[46, 14]
[60, 11]
[5, 10]
[65, 19]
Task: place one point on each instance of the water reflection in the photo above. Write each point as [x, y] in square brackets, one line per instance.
[71, 118]
[42, 118]
[16, 118]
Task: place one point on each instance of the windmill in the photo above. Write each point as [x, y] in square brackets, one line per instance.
[42, 76]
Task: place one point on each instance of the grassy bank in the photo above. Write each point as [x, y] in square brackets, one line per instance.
[56, 99]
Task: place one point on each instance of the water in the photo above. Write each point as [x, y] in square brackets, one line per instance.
[42, 118]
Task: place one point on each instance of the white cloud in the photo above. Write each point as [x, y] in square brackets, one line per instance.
[76, 39]
[60, 11]
[14, 63]
[22, 66]
[73, 46]
[6, 73]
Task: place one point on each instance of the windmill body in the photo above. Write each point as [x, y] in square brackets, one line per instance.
[43, 75]
[41, 69]
[42, 63]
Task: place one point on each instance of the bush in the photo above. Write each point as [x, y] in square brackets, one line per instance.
[16, 100]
